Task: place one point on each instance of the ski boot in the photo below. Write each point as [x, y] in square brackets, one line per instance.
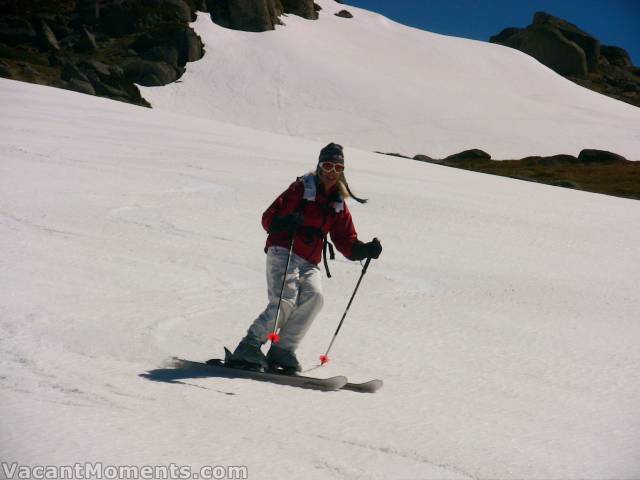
[283, 361]
[248, 356]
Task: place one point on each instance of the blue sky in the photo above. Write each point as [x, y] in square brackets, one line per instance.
[613, 22]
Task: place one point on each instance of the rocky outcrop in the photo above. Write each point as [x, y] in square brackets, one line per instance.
[588, 44]
[475, 154]
[597, 171]
[550, 47]
[600, 156]
[303, 8]
[258, 15]
[575, 54]
[106, 47]
[246, 15]
[344, 14]
[99, 47]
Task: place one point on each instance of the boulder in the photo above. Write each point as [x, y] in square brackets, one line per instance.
[589, 44]
[547, 45]
[105, 90]
[116, 72]
[149, 74]
[46, 38]
[190, 46]
[87, 42]
[302, 8]
[470, 154]
[600, 156]
[81, 86]
[575, 54]
[423, 158]
[246, 15]
[71, 71]
[344, 14]
[616, 56]
[163, 53]
[101, 68]
[175, 47]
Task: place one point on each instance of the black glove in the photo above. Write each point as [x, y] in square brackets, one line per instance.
[373, 249]
[288, 223]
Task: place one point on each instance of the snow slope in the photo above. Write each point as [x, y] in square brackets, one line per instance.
[371, 83]
[502, 315]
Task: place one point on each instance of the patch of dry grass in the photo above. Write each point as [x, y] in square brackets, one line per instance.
[621, 179]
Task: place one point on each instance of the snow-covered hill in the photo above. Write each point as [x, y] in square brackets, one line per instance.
[378, 85]
[502, 315]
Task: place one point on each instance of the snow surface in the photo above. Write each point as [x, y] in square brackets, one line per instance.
[502, 315]
[371, 83]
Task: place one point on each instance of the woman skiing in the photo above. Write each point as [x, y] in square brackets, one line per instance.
[312, 207]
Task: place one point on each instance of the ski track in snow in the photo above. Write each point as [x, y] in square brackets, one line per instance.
[502, 315]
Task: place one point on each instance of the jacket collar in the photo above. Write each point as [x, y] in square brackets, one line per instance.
[313, 189]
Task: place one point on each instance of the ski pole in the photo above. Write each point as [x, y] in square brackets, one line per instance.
[273, 336]
[325, 358]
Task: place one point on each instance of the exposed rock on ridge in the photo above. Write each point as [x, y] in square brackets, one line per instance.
[98, 47]
[575, 54]
[258, 15]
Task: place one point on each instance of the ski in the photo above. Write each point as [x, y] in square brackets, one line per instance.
[371, 386]
[218, 367]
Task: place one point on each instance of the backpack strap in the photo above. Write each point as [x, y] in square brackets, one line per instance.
[332, 255]
[309, 195]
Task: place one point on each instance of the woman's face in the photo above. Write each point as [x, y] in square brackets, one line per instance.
[329, 178]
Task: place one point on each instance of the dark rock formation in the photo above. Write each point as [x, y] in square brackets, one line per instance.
[424, 158]
[576, 55]
[246, 15]
[616, 56]
[79, 86]
[600, 156]
[46, 37]
[589, 45]
[258, 15]
[302, 8]
[104, 47]
[98, 47]
[550, 47]
[344, 14]
[470, 154]
[87, 41]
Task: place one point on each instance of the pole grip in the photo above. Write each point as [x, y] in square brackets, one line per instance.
[366, 265]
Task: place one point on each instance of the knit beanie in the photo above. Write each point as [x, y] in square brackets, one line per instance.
[332, 153]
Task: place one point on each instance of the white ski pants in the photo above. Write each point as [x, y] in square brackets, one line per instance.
[302, 299]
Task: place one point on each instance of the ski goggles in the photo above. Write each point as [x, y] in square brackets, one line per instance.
[331, 166]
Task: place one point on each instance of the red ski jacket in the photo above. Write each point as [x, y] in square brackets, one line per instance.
[323, 214]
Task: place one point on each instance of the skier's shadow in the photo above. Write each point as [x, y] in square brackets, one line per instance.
[184, 369]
